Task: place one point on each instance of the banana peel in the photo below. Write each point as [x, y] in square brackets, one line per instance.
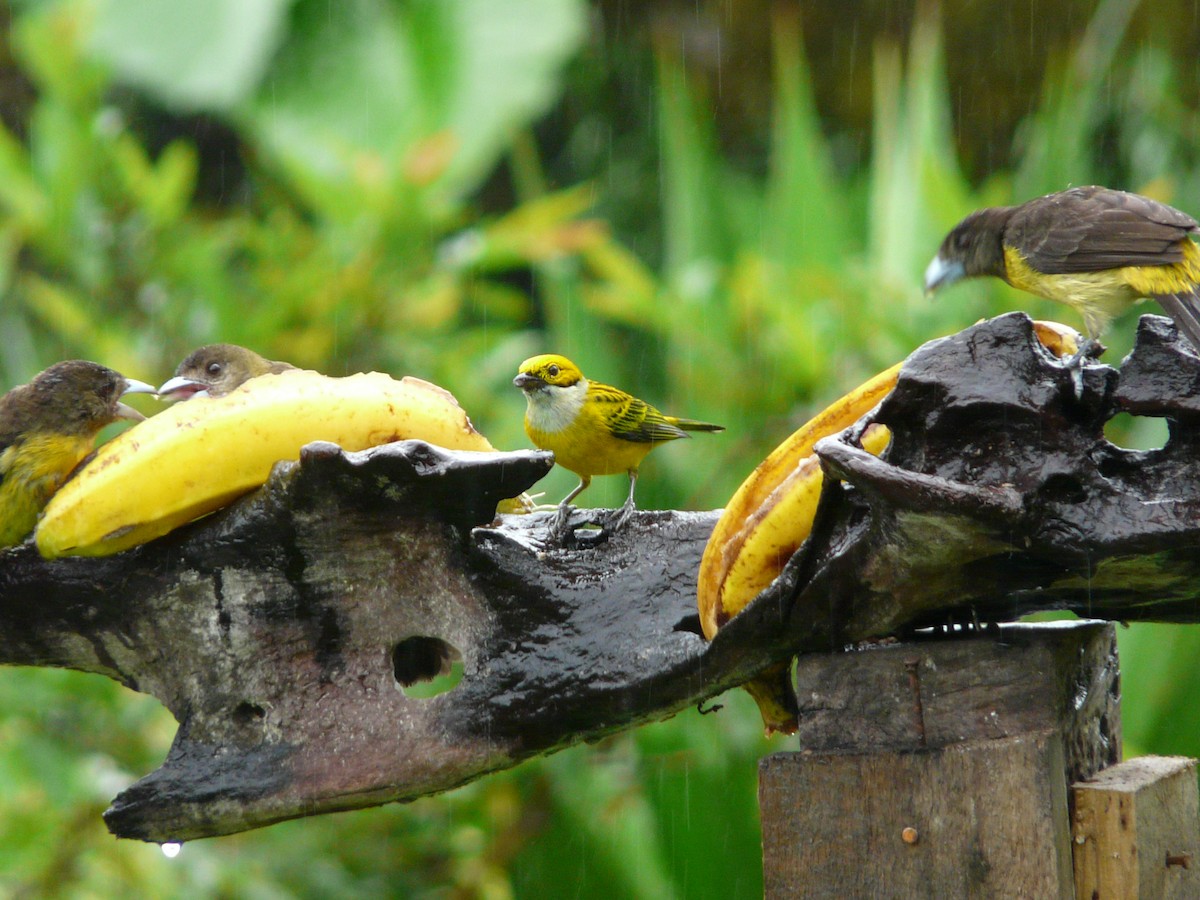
[196, 457]
[771, 515]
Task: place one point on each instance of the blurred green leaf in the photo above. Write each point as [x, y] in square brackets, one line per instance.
[808, 219]
[391, 197]
[205, 56]
[400, 108]
[694, 195]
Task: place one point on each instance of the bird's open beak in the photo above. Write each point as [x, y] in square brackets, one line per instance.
[179, 388]
[527, 382]
[133, 387]
[939, 273]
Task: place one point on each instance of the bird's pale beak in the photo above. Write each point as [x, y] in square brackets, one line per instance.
[133, 387]
[179, 388]
[527, 382]
[940, 273]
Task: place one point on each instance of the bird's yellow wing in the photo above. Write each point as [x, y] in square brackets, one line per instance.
[629, 418]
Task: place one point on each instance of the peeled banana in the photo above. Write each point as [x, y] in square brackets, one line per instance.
[771, 515]
[196, 457]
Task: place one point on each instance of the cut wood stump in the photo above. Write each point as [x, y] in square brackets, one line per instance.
[1136, 831]
[940, 768]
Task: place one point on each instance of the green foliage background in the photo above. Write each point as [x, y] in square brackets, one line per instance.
[444, 187]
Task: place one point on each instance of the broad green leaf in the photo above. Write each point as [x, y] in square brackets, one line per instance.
[193, 56]
[394, 109]
[807, 218]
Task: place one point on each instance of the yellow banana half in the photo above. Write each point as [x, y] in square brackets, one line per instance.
[196, 457]
[771, 515]
[751, 498]
[777, 528]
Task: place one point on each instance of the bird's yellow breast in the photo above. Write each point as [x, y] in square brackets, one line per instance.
[576, 432]
[31, 470]
[1100, 296]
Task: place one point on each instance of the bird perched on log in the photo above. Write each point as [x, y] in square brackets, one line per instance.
[1093, 248]
[592, 428]
[47, 427]
[215, 370]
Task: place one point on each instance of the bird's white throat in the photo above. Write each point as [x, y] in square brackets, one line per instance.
[556, 408]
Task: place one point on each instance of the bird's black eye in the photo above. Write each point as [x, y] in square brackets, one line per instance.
[214, 368]
[552, 371]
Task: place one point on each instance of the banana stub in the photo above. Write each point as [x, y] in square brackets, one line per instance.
[771, 515]
[193, 458]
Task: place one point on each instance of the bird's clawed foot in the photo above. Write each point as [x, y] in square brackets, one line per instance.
[561, 530]
[1089, 349]
[619, 518]
[572, 531]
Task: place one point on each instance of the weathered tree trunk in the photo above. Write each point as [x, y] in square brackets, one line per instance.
[281, 632]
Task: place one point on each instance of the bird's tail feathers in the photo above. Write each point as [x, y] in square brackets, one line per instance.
[693, 425]
[1184, 308]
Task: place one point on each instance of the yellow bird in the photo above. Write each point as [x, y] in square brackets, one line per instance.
[47, 427]
[592, 428]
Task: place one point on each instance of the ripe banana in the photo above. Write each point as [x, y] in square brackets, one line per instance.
[735, 524]
[775, 530]
[196, 457]
[771, 515]
[1061, 340]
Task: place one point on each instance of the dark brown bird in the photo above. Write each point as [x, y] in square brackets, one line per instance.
[46, 428]
[1093, 248]
[215, 370]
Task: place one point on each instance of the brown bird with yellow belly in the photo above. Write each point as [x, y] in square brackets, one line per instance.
[215, 370]
[46, 428]
[1093, 248]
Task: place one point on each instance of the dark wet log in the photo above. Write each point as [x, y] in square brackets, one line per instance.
[1000, 496]
[284, 632]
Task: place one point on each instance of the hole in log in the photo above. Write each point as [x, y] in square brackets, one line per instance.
[1063, 488]
[247, 713]
[1136, 432]
[426, 666]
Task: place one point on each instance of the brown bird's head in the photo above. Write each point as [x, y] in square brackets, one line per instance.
[75, 398]
[215, 370]
[973, 247]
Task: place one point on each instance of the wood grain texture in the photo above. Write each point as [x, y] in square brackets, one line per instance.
[939, 768]
[930, 691]
[1137, 832]
[990, 820]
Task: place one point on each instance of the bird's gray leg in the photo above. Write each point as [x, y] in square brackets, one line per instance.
[1089, 348]
[562, 522]
[618, 521]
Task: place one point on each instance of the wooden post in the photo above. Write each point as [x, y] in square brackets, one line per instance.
[1137, 834]
[940, 768]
